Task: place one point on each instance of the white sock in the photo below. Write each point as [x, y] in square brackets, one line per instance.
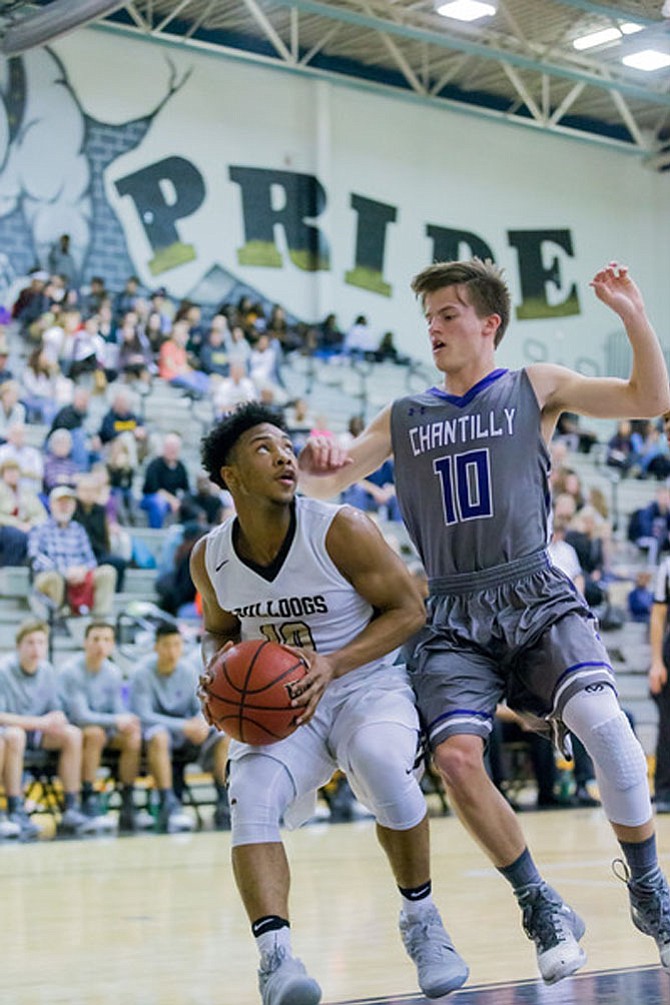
[413, 910]
[269, 941]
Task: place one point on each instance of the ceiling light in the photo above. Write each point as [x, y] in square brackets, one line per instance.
[466, 10]
[629, 27]
[647, 59]
[597, 38]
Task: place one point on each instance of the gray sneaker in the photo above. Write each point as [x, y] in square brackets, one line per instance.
[649, 906]
[9, 828]
[28, 830]
[73, 823]
[283, 980]
[173, 818]
[439, 967]
[555, 929]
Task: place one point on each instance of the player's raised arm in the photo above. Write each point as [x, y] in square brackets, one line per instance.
[646, 392]
[325, 469]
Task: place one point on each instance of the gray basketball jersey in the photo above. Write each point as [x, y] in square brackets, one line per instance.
[472, 474]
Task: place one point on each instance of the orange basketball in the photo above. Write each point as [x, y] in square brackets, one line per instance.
[249, 696]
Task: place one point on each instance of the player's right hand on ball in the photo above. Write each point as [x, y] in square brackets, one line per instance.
[309, 690]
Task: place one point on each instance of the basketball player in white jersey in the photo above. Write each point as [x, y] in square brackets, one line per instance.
[322, 578]
[472, 467]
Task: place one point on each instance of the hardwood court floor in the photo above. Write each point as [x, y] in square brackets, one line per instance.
[155, 920]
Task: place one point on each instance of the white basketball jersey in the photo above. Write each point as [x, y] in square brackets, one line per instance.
[301, 599]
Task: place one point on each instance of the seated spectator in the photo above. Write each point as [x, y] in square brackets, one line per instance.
[641, 598]
[11, 409]
[300, 421]
[508, 727]
[589, 535]
[5, 373]
[73, 417]
[91, 299]
[121, 474]
[163, 695]
[233, 390]
[29, 700]
[214, 350]
[128, 299]
[376, 493]
[653, 454]
[43, 387]
[86, 354]
[329, 338]
[28, 458]
[562, 554]
[60, 468]
[175, 588]
[91, 687]
[32, 301]
[122, 421]
[360, 339]
[93, 518]
[387, 350]
[205, 505]
[174, 365]
[64, 566]
[135, 359]
[264, 368]
[278, 328]
[20, 510]
[569, 429]
[165, 482]
[649, 526]
[239, 349]
[621, 453]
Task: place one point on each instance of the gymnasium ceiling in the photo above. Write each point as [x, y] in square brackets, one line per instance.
[519, 64]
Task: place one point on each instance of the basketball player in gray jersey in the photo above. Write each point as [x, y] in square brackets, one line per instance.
[322, 577]
[472, 466]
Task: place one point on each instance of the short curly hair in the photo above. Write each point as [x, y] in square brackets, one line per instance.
[216, 446]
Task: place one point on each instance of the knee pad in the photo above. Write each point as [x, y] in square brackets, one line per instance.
[621, 767]
[381, 771]
[259, 791]
[597, 719]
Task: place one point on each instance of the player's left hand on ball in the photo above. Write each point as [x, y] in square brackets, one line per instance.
[309, 690]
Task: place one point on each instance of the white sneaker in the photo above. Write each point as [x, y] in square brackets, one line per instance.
[283, 980]
[555, 929]
[439, 967]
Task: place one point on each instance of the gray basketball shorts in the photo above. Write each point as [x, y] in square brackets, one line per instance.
[519, 633]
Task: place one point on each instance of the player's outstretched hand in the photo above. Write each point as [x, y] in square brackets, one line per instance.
[613, 285]
[308, 691]
[322, 455]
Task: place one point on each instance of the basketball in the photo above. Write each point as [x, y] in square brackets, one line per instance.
[249, 696]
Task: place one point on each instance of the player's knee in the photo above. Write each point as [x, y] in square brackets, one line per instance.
[73, 738]
[259, 792]
[459, 759]
[606, 733]
[94, 736]
[15, 738]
